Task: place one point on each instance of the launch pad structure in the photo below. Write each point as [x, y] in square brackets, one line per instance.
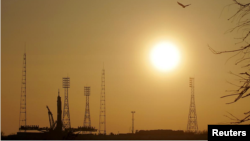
[87, 121]
[62, 127]
[66, 114]
[22, 115]
[56, 128]
[102, 115]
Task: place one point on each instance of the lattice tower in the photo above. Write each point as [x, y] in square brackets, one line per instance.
[192, 125]
[66, 114]
[102, 116]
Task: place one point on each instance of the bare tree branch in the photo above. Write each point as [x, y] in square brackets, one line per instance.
[220, 52]
[247, 112]
[229, 117]
[233, 116]
[243, 25]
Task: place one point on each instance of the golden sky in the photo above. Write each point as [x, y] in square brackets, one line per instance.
[74, 38]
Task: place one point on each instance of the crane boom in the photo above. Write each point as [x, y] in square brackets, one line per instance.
[51, 119]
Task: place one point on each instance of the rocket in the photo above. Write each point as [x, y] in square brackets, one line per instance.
[59, 113]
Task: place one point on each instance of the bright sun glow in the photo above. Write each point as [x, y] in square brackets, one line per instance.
[165, 56]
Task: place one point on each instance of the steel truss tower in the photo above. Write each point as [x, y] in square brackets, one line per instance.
[66, 115]
[132, 121]
[102, 116]
[22, 115]
[192, 125]
[87, 121]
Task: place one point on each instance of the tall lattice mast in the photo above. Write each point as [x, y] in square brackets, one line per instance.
[22, 115]
[102, 117]
[66, 115]
[192, 125]
[87, 121]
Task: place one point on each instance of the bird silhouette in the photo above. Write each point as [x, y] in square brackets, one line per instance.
[183, 5]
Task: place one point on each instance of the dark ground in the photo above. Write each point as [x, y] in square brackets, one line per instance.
[146, 135]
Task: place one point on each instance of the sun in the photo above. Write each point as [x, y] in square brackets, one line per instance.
[165, 56]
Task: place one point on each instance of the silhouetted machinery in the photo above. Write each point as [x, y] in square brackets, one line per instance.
[57, 126]
[51, 119]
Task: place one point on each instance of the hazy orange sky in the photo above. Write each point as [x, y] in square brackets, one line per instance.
[75, 37]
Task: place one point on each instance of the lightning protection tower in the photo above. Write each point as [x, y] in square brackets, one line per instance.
[22, 115]
[132, 121]
[87, 121]
[102, 116]
[192, 125]
[66, 115]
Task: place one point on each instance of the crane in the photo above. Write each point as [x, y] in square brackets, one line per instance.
[51, 119]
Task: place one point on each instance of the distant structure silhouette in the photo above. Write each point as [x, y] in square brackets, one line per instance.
[22, 115]
[55, 131]
[132, 121]
[183, 5]
[102, 116]
[66, 114]
[59, 124]
[51, 119]
[192, 125]
[87, 121]
[56, 126]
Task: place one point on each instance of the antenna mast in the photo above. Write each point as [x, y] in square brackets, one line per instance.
[102, 117]
[192, 125]
[22, 115]
[132, 121]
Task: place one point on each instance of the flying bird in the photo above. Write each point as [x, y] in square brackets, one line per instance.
[183, 5]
